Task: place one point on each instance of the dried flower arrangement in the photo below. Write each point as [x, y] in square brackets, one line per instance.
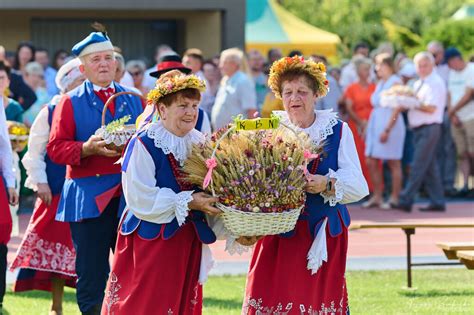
[258, 174]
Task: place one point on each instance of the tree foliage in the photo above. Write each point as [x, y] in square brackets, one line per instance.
[406, 21]
[453, 33]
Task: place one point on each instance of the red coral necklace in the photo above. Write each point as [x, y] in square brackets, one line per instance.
[178, 174]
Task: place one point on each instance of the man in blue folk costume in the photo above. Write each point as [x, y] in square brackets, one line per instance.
[91, 197]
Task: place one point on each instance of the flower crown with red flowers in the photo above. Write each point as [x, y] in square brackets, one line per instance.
[172, 82]
[317, 70]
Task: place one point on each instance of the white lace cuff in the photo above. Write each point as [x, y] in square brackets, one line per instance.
[338, 190]
[233, 247]
[32, 182]
[182, 209]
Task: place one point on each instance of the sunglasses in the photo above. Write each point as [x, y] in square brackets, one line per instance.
[136, 74]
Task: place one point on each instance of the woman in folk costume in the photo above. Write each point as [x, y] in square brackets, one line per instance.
[302, 271]
[8, 196]
[161, 255]
[46, 255]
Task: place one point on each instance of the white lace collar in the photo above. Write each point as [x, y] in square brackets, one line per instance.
[180, 147]
[321, 128]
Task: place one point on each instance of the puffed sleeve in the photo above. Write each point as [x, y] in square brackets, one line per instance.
[147, 201]
[350, 185]
[33, 161]
[6, 155]
[63, 147]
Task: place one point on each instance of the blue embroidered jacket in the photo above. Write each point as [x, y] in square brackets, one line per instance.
[315, 209]
[87, 186]
[164, 178]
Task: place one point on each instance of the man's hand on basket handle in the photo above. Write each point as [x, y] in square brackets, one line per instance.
[205, 203]
[95, 145]
[248, 240]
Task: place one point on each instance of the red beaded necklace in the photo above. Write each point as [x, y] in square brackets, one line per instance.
[314, 166]
[178, 174]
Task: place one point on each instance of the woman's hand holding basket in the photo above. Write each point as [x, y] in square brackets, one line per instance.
[205, 203]
[316, 183]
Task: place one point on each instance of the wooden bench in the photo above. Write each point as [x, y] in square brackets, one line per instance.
[467, 258]
[409, 229]
[450, 249]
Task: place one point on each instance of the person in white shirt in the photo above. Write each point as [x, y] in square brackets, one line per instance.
[461, 109]
[8, 196]
[256, 65]
[446, 148]
[236, 95]
[121, 75]
[425, 121]
[194, 60]
[349, 72]
[137, 70]
[437, 50]
[161, 51]
[6, 159]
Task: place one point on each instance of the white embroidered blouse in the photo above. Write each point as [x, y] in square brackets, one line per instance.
[160, 204]
[147, 201]
[350, 185]
[34, 158]
[6, 154]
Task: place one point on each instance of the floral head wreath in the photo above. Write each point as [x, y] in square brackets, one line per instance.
[173, 82]
[317, 70]
[17, 131]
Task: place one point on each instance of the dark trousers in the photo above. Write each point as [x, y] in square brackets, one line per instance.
[3, 271]
[93, 239]
[425, 167]
[447, 154]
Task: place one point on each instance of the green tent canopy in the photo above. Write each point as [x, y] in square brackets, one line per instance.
[269, 25]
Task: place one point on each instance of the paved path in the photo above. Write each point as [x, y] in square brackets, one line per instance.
[368, 249]
[391, 242]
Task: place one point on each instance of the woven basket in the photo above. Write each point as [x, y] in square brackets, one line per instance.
[118, 139]
[241, 223]
[245, 223]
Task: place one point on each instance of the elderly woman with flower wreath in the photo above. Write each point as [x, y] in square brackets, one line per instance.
[161, 256]
[302, 271]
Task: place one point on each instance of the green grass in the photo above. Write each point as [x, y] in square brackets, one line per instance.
[443, 291]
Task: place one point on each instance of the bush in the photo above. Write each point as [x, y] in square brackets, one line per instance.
[453, 33]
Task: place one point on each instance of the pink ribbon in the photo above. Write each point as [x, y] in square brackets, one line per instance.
[211, 165]
[308, 156]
